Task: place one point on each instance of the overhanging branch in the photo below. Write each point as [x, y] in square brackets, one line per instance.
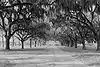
[16, 31]
[18, 4]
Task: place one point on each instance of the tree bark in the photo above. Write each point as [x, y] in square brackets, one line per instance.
[68, 43]
[7, 43]
[13, 41]
[71, 43]
[98, 45]
[35, 43]
[75, 44]
[62, 44]
[2, 39]
[22, 44]
[30, 43]
[83, 43]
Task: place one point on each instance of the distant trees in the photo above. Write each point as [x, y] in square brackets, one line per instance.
[40, 30]
[22, 36]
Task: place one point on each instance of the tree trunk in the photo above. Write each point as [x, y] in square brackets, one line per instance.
[71, 43]
[13, 41]
[83, 43]
[22, 44]
[7, 43]
[30, 43]
[35, 43]
[2, 41]
[62, 43]
[75, 44]
[68, 43]
[98, 45]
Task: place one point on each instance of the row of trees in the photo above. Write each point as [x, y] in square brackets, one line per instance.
[25, 19]
[79, 18]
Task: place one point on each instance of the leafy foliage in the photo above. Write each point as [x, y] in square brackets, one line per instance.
[17, 15]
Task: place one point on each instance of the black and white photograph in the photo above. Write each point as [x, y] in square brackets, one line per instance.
[49, 33]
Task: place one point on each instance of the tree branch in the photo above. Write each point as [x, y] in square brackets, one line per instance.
[85, 18]
[16, 31]
[18, 4]
[18, 38]
[3, 25]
